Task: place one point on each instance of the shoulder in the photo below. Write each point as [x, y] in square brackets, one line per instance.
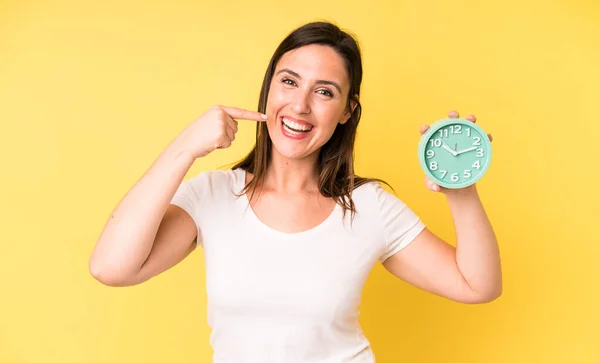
[389, 215]
[374, 194]
[216, 176]
[217, 182]
[381, 204]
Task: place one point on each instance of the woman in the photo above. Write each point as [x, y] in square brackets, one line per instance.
[290, 233]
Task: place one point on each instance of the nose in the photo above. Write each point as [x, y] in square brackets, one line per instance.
[301, 102]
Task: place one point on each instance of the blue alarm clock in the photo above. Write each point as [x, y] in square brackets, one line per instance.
[455, 153]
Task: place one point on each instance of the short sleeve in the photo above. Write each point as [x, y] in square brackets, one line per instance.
[400, 224]
[189, 195]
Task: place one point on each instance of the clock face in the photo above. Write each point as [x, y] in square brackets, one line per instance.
[455, 153]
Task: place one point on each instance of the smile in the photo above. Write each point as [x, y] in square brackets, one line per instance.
[294, 126]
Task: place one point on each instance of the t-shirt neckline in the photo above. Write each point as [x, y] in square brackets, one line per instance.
[247, 207]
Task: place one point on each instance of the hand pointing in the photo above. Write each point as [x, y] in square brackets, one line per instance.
[215, 129]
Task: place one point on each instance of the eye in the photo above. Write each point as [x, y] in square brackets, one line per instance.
[288, 82]
[326, 92]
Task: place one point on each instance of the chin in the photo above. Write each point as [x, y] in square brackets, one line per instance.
[287, 151]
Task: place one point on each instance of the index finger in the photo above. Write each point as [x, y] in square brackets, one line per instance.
[240, 113]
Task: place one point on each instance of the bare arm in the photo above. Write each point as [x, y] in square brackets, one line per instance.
[469, 273]
[145, 235]
[122, 255]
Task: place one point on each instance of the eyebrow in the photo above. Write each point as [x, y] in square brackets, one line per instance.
[321, 81]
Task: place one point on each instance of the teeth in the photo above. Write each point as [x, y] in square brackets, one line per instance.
[294, 126]
[290, 131]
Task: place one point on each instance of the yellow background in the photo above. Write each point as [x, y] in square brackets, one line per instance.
[91, 92]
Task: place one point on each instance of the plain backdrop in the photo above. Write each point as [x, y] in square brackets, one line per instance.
[92, 91]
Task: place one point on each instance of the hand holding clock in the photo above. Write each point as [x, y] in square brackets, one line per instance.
[454, 169]
[445, 169]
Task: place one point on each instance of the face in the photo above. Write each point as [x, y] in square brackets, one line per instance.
[307, 100]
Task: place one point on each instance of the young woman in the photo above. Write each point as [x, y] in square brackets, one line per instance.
[290, 233]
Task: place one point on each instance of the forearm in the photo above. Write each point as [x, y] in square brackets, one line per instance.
[128, 235]
[477, 252]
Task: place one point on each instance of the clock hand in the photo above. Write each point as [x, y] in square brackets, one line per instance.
[444, 146]
[466, 150]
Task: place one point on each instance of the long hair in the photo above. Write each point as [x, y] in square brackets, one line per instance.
[336, 157]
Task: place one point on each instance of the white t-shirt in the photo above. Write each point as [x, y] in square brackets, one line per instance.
[276, 297]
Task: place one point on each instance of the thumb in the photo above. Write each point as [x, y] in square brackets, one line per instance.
[431, 185]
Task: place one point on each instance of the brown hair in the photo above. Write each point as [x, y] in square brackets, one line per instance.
[336, 159]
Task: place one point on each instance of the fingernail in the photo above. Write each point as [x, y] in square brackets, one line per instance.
[263, 116]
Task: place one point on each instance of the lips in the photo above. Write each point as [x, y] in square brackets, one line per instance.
[295, 129]
[296, 125]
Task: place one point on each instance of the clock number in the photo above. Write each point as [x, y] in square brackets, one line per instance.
[476, 165]
[452, 129]
[430, 154]
[436, 142]
[454, 177]
[468, 131]
[433, 165]
[467, 173]
[477, 140]
[479, 153]
[444, 172]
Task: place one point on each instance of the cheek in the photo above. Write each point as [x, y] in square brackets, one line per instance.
[331, 129]
[277, 98]
[329, 115]
[326, 113]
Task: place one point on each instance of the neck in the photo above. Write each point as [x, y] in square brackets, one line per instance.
[292, 175]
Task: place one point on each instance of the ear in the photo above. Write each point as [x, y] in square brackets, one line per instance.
[349, 113]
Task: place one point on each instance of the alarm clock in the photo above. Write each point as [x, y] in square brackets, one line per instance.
[455, 153]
